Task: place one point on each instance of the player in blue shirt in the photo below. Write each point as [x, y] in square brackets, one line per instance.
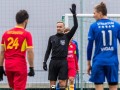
[104, 32]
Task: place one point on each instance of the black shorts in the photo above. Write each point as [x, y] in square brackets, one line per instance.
[58, 69]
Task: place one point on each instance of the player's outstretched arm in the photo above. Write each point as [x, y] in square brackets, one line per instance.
[74, 28]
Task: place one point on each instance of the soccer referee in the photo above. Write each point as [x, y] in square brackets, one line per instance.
[58, 43]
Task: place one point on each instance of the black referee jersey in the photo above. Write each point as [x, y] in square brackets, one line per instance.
[59, 43]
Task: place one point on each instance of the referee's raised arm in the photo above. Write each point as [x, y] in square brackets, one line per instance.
[74, 28]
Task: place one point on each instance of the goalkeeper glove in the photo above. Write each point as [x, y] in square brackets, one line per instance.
[1, 73]
[73, 9]
[45, 66]
[31, 72]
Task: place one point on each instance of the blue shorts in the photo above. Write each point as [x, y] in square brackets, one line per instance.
[100, 72]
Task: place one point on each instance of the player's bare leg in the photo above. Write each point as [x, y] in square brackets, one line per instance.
[113, 87]
[62, 84]
[71, 83]
[99, 87]
[52, 85]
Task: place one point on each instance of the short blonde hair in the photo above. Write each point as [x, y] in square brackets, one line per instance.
[61, 22]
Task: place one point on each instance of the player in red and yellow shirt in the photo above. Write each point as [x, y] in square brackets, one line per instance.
[72, 60]
[72, 64]
[15, 43]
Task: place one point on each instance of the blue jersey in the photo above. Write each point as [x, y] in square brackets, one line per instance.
[105, 33]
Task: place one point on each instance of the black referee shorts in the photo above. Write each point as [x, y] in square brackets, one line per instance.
[58, 69]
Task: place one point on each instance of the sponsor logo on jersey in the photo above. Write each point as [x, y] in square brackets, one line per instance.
[105, 23]
[70, 51]
[70, 56]
[107, 49]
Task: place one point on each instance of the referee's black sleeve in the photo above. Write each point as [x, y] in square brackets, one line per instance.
[74, 28]
[48, 50]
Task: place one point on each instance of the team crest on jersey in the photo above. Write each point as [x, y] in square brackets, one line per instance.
[62, 42]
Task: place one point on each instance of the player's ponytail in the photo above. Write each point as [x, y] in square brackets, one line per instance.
[103, 4]
[101, 8]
